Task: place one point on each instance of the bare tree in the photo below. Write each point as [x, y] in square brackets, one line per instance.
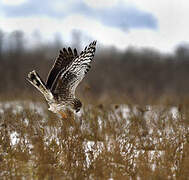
[16, 42]
[1, 43]
[76, 39]
[182, 52]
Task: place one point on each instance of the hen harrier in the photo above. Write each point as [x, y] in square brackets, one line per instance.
[67, 72]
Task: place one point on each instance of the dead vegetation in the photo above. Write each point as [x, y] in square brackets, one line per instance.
[117, 141]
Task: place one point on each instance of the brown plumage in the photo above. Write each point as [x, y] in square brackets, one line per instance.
[67, 72]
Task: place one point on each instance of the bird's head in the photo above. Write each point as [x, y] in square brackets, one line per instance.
[77, 105]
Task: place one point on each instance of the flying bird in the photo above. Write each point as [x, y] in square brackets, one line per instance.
[67, 72]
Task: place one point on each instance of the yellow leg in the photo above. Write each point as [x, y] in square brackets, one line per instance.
[63, 115]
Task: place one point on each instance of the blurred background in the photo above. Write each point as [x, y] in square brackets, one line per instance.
[142, 51]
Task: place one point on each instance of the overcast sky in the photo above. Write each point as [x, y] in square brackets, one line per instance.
[160, 24]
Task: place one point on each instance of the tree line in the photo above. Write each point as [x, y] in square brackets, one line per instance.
[132, 72]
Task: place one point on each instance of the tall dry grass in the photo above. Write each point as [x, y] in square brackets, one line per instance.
[112, 141]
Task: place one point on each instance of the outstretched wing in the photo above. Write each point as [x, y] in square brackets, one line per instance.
[64, 58]
[67, 80]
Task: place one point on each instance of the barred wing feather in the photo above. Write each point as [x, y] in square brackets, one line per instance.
[65, 57]
[68, 79]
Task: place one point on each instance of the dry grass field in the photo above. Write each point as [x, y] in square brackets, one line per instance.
[122, 141]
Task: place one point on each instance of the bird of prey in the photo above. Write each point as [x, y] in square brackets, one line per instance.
[67, 72]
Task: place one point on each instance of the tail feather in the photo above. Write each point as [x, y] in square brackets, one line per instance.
[36, 81]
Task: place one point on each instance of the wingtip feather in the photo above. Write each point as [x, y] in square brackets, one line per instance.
[30, 74]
